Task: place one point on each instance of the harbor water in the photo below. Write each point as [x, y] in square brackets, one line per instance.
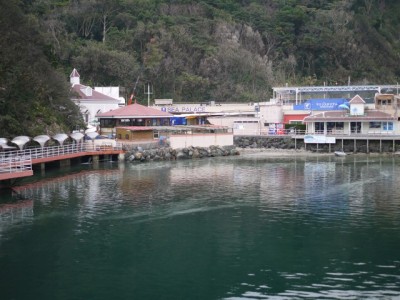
[247, 227]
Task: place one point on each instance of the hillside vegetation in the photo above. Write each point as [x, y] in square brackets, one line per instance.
[221, 50]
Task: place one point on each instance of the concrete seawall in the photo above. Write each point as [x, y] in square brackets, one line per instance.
[347, 144]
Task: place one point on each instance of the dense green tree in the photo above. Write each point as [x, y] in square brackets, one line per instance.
[225, 50]
[33, 95]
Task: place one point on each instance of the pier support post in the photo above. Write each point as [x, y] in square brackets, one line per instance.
[95, 159]
[42, 168]
[65, 163]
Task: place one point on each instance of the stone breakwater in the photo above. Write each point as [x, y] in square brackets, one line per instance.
[256, 142]
[138, 154]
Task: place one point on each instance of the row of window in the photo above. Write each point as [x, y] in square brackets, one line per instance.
[111, 123]
[320, 126]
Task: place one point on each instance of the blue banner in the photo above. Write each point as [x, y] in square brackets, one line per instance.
[322, 104]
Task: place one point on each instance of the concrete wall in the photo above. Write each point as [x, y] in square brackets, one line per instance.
[200, 140]
[271, 113]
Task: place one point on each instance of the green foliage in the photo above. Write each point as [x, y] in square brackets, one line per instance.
[33, 95]
[222, 50]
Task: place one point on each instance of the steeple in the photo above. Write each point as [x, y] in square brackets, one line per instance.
[74, 78]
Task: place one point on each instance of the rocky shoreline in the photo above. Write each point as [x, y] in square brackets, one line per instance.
[138, 154]
[260, 146]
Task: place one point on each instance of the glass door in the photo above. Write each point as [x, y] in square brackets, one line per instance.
[355, 127]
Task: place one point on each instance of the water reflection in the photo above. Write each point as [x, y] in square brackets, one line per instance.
[226, 228]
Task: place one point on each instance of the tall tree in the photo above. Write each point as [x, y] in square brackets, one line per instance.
[33, 96]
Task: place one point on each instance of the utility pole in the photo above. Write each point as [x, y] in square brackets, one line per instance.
[148, 92]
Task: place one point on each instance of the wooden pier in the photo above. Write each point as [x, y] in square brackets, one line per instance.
[19, 164]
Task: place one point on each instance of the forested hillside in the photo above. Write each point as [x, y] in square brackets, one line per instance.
[220, 50]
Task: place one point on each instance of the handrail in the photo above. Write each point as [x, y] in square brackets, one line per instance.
[293, 132]
[14, 164]
[21, 160]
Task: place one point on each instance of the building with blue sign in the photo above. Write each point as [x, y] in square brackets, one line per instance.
[353, 118]
[322, 104]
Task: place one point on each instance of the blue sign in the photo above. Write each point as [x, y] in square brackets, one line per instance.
[321, 104]
[178, 121]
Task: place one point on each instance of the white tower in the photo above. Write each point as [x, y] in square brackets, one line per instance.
[74, 78]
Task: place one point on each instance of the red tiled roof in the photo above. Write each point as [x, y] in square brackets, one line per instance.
[343, 116]
[78, 88]
[135, 111]
[357, 100]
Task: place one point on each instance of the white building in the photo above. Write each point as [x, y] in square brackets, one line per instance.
[94, 101]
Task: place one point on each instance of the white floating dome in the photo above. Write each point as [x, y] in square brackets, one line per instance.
[77, 136]
[4, 144]
[41, 139]
[92, 135]
[21, 141]
[3, 141]
[60, 138]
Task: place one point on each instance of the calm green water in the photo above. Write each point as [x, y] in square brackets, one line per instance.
[226, 228]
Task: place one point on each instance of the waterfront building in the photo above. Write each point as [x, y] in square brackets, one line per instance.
[93, 101]
[178, 136]
[292, 107]
[242, 118]
[354, 118]
[131, 115]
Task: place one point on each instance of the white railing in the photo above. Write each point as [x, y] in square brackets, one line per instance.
[14, 164]
[21, 160]
[46, 152]
[90, 147]
[337, 133]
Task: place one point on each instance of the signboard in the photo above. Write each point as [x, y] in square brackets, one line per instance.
[319, 139]
[321, 104]
[183, 109]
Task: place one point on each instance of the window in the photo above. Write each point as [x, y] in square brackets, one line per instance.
[127, 136]
[387, 126]
[375, 124]
[335, 125]
[319, 126]
[107, 123]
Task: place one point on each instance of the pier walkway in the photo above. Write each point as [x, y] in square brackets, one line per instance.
[17, 164]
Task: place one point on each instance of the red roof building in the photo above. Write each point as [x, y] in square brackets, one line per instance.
[132, 115]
